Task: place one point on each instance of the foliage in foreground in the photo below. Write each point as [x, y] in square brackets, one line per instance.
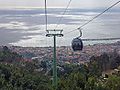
[15, 78]
[15, 75]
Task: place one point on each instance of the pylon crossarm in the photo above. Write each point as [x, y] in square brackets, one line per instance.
[50, 35]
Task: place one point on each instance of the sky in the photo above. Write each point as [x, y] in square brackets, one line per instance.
[56, 3]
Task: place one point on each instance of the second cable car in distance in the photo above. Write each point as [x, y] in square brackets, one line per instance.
[77, 44]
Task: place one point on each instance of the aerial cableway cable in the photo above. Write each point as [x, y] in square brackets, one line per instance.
[102, 39]
[46, 20]
[61, 18]
[63, 14]
[94, 17]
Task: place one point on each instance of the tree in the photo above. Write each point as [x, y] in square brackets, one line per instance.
[113, 83]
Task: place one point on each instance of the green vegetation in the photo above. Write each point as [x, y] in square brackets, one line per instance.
[15, 78]
[7, 56]
[20, 75]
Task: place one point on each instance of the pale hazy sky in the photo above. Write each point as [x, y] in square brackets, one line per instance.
[56, 3]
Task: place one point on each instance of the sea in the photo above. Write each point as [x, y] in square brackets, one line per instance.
[26, 26]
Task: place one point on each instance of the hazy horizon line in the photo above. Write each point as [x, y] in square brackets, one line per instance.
[53, 8]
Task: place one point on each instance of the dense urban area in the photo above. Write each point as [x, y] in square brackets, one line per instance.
[65, 54]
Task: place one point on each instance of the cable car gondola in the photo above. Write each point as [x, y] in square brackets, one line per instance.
[77, 44]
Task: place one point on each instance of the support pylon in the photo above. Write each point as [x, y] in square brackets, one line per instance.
[54, 34]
